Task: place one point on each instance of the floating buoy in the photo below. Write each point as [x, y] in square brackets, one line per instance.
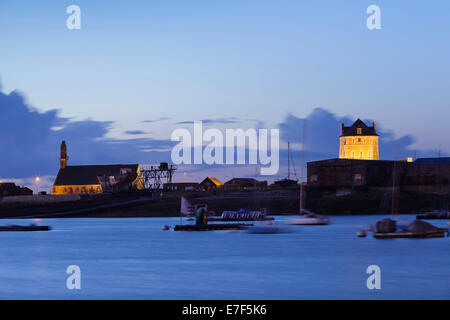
[361, 233]
[165, 228]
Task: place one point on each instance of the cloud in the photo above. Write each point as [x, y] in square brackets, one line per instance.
[156, 120]
[213, 121]
[30, 140]
[135, 132]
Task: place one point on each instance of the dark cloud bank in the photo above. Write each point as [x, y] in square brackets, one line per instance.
[29, 144]
[30, 140]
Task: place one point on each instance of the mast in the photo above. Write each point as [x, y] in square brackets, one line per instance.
[395, 191]
[289, 160]
[393, 188]
[302, 165]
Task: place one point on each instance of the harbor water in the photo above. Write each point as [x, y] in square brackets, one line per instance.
[133, 258]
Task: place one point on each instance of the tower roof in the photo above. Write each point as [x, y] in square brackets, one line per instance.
[358, 124]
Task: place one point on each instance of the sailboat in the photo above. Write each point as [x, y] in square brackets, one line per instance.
[306, 217]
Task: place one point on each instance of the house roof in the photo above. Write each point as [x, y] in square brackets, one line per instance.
[8, 186]
[353, 129]
[213, 180]
[87, 175]
[241, 181]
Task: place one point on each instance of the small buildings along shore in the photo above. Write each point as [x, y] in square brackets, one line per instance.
[211, 183]
[214, 184]
[237, 184]
[11, 189]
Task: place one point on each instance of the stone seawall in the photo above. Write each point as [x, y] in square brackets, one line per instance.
[40, 198]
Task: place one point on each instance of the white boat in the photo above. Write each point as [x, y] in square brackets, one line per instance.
[309, 219]
[361, 233]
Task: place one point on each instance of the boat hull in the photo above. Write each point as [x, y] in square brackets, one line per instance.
[428, 234]
[25, 228]
[308, 221]
[434, 216]
[267, 229]
[210, 227]
[241, 219]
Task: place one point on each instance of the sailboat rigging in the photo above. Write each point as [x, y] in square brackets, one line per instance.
[306, 217]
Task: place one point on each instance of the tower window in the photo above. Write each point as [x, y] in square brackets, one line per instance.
[359, 130]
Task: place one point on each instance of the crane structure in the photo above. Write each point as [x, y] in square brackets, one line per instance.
[155, 176]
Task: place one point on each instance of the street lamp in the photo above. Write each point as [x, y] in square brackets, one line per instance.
[37, 185]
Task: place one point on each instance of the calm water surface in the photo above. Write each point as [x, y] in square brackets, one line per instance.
[135, 259]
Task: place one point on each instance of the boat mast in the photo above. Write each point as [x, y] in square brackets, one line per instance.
[395, 191]
[289, 160]
[302, 165]
[393, 188]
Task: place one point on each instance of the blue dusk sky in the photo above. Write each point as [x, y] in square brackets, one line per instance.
[117, 88]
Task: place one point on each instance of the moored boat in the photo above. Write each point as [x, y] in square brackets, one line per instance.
[267, 229]
[436, 214]
[387, 229]
[243, 215]
[306, 217]
[25, 228]
[310, 218]
[361, 233]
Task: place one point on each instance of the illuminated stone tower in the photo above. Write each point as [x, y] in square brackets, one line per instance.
[359, 141]
[64, 158]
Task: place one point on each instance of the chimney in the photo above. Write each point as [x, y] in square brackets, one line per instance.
[375, 127]
[342, 129]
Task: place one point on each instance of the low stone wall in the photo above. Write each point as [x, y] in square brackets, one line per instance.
[40, 198]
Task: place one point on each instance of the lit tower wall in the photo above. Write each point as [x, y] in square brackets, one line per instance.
[359, 141]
